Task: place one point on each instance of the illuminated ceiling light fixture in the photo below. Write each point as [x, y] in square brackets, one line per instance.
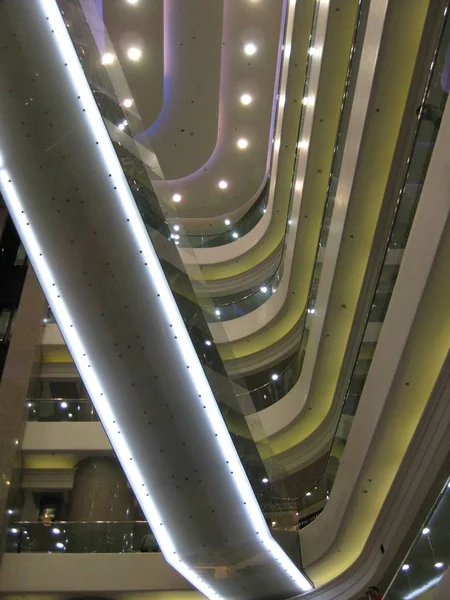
[265, 480]
[426, 531]
[227, 222]
[128, 102]
[108, 58]
[242, 143]
[134, 53]
[250, 49]
[132, 1]
[308, 494]
[63, 404]
[274, 377]
[176, 228]
[121, 126]
[223, 184]
[263, 289]
[176, 198]
[405, 568]
[208, 342]
[246, 99]
[439, 565]
[235, 235]
[217, 312]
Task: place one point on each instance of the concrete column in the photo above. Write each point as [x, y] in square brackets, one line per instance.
[17, 373]
[100, 493]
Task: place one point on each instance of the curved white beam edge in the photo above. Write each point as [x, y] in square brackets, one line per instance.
[67, 194]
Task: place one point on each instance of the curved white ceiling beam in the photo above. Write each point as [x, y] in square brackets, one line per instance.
[196, 138]
[234, 250]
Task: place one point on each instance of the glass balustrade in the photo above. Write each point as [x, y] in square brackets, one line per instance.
[60, 410]
[80, 537]
[415, 173]
[429, 555]
[233, 231]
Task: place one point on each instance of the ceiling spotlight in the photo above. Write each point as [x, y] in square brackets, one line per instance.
[208, 343]
[274, 523]
[121, 126]
[242, 143]
[108, 58]
[405, 568]
[217, 312]
[426, 531]
[265, 480]
[134, 53]
[176, 228]
[176, 198]
[246, 99]
[227, 222]
[56, 531]
[308, 494]
[439, 565]
[223, 184]
[235, 235]
[250, 49]
[274, 377]
[59, 545]
[63, 404]
[128, 102]
[263, 289]
[177, 242]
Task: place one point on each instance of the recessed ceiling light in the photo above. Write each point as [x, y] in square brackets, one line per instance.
[426, 531]
[250, 49]
[223, 184]
[217, 312]
[265, 480]
[246, 99]
[132, 1]
[208, 342]
[405, 568]
[242, 143]
[235, 235]
[308, 494]
[176, 242]
[176, 198]
[263, 289]
[439, 565]
[134, 53]
[121, 126]
[63, 404]
[227, 222]
[274, 377]
[128, 102]
[108, 58]
[176, 228]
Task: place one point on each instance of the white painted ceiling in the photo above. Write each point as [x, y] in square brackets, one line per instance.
[187, 87]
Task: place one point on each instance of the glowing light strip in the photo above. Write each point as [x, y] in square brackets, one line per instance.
[157, 278]
[420, 590]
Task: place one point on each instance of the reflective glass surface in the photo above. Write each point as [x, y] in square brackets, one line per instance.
[76, 537]
[73, 410]
[429, 555]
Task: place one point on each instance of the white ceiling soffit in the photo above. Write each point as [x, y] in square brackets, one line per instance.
[187, 86]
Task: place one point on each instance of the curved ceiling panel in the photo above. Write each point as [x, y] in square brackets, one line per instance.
[203, 133]
[140, 27]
